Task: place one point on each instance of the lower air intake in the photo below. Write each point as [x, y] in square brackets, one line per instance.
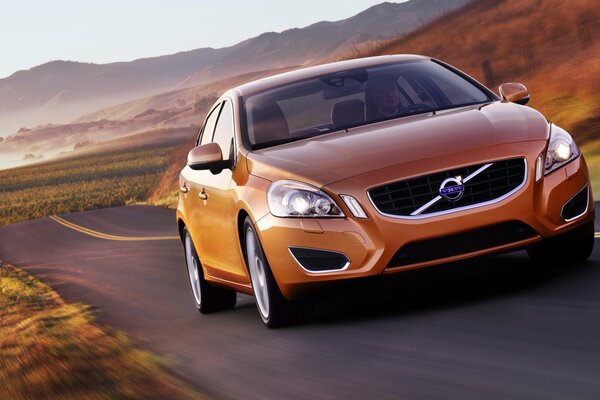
[315, 260]
[462, 243]
[577, 206]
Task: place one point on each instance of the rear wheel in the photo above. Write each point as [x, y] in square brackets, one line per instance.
[574, 246]
[274, 309]
[208, 298]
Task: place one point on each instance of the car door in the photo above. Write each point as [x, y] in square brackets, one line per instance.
[218, 218]
[190, 186]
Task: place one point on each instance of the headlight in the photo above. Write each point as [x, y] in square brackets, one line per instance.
[561, 150]
[296, 199]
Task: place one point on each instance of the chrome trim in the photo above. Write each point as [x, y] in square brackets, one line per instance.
[435, 214]
[216, 278]
[419, 210]
[360, 213]
[319, 272]
[587, 205]
[480, 170]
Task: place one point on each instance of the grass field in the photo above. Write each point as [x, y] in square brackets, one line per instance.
[84, 183]
[50, 349]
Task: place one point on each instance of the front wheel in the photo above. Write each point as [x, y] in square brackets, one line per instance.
[274, 309]
[208, 298]
[572, 247]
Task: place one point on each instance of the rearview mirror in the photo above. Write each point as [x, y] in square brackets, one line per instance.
[514, 92]
[207, 156]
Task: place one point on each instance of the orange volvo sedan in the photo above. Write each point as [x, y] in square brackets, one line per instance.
[371, 167]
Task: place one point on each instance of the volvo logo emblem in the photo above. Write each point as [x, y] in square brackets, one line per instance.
[452, 189]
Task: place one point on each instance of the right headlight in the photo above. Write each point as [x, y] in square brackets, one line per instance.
[288, 198]
[561, 149]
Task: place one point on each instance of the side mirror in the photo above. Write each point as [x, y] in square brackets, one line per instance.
[514, 92]
[207, 156]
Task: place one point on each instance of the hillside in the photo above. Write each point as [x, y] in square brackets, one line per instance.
[179, 99]
[317, 41]
[170, 112]
[59, 91]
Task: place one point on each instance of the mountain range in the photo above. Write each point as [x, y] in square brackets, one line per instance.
[60, 91]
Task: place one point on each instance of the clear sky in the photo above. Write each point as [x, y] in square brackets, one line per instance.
[101, 31]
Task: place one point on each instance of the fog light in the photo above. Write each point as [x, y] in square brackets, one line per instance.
[354, 207]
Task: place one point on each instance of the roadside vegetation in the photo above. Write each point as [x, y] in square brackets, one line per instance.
[50, 349]
[165, 192]
[92, 181]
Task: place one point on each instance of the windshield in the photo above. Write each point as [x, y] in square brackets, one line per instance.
[355, 97]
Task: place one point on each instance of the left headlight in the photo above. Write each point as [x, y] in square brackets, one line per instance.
[561, 149]
[296, 199]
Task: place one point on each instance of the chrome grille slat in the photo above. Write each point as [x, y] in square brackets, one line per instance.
[488, 182]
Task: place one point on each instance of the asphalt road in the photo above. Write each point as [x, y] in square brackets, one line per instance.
[494, 328]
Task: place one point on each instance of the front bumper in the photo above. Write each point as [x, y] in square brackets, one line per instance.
[371, 244]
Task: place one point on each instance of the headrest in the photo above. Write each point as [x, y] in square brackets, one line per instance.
[268, 123]
[348, 113]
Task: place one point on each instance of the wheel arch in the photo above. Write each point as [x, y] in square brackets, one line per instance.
[180, 227]
[242, 214]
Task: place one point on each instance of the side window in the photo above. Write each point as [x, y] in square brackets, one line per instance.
[224, 131]
[209, 127]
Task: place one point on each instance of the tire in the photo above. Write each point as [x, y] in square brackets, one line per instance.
[208, 298]
[274, 309]
[573, 247]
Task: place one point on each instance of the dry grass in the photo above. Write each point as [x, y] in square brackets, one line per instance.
[50, 349]
[165, 192]
[78, 184]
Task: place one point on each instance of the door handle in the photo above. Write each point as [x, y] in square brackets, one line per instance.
[203, 195]
[183, 188]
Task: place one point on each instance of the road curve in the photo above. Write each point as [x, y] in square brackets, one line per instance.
[494, 328]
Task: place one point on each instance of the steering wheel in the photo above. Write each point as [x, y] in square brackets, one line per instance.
[416, 108]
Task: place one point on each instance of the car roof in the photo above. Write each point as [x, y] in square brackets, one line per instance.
[311, 72]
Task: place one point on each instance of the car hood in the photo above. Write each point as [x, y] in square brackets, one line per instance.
[339, 155]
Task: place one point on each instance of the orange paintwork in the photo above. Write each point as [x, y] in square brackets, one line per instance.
[351, 162]
[513, 91]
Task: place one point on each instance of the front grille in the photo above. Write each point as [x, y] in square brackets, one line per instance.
[403, 198]
[462, 243]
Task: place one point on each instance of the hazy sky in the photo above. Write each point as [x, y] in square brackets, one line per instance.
[34, 32]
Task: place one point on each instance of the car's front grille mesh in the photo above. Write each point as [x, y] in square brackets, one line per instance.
[402, 198]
